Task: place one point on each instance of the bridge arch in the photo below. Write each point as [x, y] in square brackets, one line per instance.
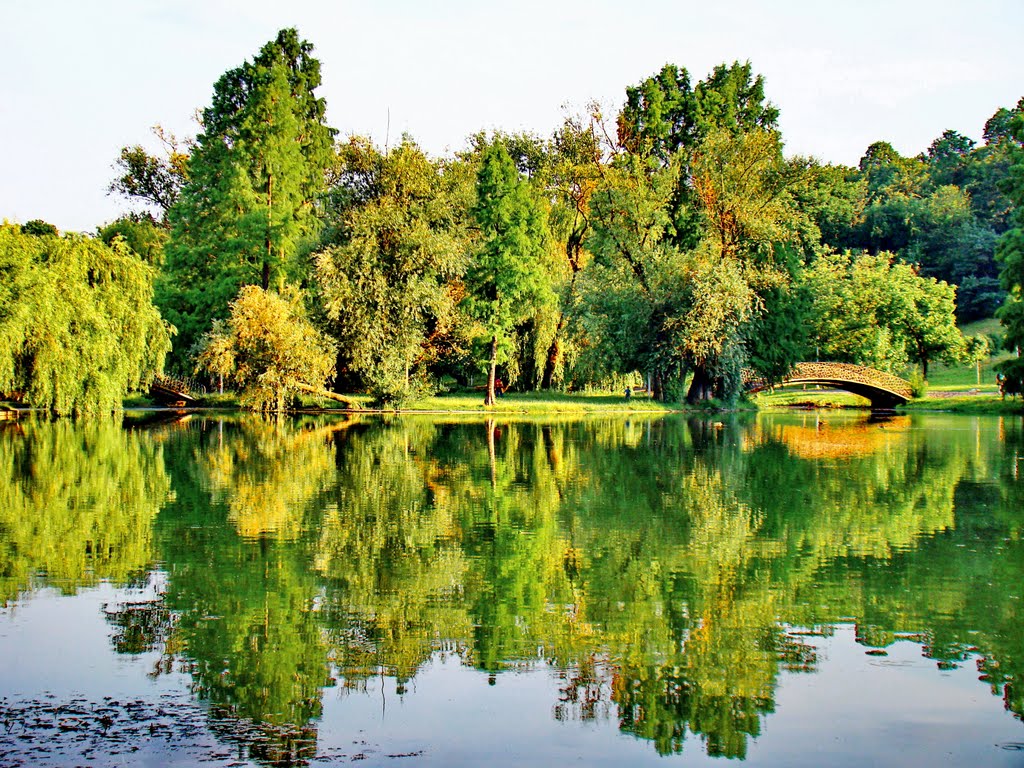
[883, 390]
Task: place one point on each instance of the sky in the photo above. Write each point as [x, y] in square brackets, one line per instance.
[80, 79]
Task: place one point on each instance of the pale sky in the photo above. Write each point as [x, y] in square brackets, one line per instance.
[82, 79]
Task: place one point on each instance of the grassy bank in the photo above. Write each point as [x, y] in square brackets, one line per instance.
[532, 402]
[966, 400]
[473, 402]
[941, 376]
[812, 397]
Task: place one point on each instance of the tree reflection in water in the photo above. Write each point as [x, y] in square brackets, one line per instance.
[668, 569]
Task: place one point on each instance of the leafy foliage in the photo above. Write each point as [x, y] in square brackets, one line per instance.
[141, 233]
[877, 311]
[505, 281]
[698, 209]
[152, 179]
[1011, 245]
[246, 214]
[78, 329]
[268, 349]
[388, 282]
[39, 228]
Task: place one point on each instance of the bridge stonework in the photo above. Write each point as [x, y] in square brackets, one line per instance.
[884, 390]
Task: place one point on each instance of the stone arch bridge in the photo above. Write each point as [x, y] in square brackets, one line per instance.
[884, 390]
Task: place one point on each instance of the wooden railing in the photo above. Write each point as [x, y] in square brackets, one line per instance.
[177, 389]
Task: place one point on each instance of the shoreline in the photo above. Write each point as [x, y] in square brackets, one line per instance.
[971, 401]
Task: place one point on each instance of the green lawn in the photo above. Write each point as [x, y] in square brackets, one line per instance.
[812, 397]
[981, 403]
[966, 376]
[955, 388]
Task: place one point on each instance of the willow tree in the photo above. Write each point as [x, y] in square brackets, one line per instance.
[78, 329]
[247, 212]
[507, 279]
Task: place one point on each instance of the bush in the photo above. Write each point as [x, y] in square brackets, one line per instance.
[397, 392]
[1011, 373]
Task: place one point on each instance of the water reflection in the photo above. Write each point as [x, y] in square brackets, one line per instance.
[77, 504]
[669, 569]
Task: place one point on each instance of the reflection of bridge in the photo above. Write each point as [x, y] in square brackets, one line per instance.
[884, 390]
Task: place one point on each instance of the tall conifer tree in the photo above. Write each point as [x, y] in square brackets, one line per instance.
[254, 178]
[507, 280]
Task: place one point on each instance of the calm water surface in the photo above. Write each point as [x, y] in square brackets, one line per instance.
[784, 589]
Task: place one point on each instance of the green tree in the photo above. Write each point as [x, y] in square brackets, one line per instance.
[664, 119]
[834, 198]
[387, 282]
[145, 236]
[943, 210]
[155, 180]
[574, 156]
[691, 308]
[930, 326]
[978, 348]
[78, 329]
[247, 212]
[948, 157]
[875, 310]
[38, 227]
[506, 280]
[269, 349]
[1010, 251]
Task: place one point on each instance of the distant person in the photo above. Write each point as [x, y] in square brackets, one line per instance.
[629, 392]
[499, 387]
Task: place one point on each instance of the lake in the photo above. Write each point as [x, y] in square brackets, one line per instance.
[797, 589]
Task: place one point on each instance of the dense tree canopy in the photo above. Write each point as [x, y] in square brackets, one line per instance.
[506, 280]
[78, 329]
[1011, 245]
[877, 311]
[386, 278]
[695, 222]
[672, 242]
[246, 214]
[269, 349]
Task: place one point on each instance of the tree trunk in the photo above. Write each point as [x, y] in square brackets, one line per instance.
[658, 387]
[320, 392]
[572, 249]
[701, 387]
[554, 353]
[489, 399]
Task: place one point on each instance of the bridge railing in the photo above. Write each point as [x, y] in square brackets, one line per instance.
[185, 385]
[835, 372]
